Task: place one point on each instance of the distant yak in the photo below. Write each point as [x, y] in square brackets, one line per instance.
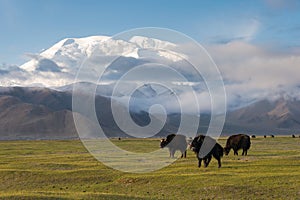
[175, 142]
[236, 142]
[293, 136]
[216, 150]
[253, 136]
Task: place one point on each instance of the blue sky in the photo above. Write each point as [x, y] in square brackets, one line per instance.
[30, 26]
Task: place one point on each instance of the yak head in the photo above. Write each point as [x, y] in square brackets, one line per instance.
[226, 150]
[196, 144]
[163, 143]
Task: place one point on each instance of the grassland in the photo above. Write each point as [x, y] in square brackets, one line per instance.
[65, 170]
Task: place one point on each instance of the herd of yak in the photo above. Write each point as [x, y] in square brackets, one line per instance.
[206, 147]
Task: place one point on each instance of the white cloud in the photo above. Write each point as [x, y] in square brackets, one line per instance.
[282, 4]
[236, 29]
[247, 30]
[252, 72]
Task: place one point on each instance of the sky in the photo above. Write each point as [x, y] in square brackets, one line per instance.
[31, 26]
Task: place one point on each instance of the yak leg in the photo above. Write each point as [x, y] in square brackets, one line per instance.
[235, 151]
[183, 153]
[173, 153]
[217, 157]
[207, 160]
[199, 162]
[219, 161]
[244, 152]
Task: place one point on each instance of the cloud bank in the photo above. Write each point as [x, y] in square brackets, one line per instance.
[251, 72]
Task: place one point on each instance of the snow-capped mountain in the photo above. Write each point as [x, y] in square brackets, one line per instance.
[58, 65]
[70, 52]
[146, 91]
[66, 53]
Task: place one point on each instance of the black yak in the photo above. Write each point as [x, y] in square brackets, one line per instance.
[175, 142]
[215, 149]
[237, 142]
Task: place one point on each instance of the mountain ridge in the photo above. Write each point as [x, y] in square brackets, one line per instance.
[37, 113]
[281, 115]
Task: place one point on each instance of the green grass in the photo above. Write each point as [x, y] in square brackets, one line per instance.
[65, 170]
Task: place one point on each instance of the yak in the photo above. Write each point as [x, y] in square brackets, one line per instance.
[175, 142]
[216, 150]
[236, 142]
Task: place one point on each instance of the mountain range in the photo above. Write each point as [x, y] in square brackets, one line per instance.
[42, 113]
[265, 116]
[36, 97]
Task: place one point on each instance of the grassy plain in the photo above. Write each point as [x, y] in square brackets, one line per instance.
[65, 170]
